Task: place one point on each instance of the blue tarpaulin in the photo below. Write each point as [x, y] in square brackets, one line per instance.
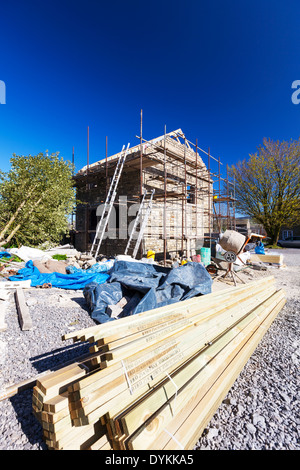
[5, 254]
[102, 267]
[147, 286]
[77, 280]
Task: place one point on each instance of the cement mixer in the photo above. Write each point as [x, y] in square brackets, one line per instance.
[234, 243]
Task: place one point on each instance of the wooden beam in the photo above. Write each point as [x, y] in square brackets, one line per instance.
[23, 311]
[156, 371]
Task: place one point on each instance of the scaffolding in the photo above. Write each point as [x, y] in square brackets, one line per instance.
[220, 212]
[189, 190]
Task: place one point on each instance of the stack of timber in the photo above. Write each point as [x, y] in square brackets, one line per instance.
[268, 259]
[153, 381]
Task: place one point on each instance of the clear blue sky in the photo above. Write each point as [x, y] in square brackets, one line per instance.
[220, 70]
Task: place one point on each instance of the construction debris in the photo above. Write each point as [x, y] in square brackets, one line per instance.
[16, 284]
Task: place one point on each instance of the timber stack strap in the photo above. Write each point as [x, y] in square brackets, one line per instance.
[154, 380]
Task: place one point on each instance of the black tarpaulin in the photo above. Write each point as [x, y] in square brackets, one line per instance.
[147, 286]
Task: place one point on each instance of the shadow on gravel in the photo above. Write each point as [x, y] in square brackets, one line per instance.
[81, 302]
[22, 401]
[22, 404]
[59, 357]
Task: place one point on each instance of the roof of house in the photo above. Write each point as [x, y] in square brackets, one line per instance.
[156, 143]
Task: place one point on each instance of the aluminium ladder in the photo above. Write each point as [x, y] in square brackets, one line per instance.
[143, 224]
[136, 221]
[109, 202]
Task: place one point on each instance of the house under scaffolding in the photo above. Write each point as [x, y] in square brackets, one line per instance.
[185, 211]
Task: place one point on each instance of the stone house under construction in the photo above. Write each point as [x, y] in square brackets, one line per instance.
[181, 211]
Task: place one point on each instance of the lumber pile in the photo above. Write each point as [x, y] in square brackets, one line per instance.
[154, 380]
[268, 259]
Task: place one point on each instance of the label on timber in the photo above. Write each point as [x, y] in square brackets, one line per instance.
[168, 328]
[164, 367]
[172, 317]
[147, 371]
[146, 325]
[141, 357]
[148, 366]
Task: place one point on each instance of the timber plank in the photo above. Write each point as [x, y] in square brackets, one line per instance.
[94, 405]
[124, 325]
[23, 311]
[211, 364]
[201, 411]
[267, 258]
[187, 317]
[152, 369]
[221, 388]
[59, 383]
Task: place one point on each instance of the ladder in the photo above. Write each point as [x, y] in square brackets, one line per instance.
[143, 224]
[109, 202]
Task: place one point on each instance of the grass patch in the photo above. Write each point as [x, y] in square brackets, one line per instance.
[13, 258]
[60, 257]
[274, 247]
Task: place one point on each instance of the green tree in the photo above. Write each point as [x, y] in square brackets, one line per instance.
[268, 185]
[36, 198]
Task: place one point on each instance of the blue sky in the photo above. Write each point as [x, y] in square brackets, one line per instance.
[221, 71]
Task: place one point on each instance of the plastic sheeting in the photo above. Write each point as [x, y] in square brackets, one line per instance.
[147, 286]
[260, 249]
[27, 253]
[102, 267]
[77, 280]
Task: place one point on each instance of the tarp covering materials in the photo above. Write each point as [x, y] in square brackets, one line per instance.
[5, 254]
[148, 286]
[76, 280]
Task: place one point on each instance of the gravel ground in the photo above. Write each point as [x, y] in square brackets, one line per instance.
[261, 410]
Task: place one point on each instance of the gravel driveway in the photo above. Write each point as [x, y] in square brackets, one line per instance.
[261, 410]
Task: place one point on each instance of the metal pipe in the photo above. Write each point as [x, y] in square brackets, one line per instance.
[165, 202]
[185, 194]
[209, 199]
[73, 172]
[227, 194]
[196, 188]
[141, 173]
[88, 149]
[219, 192]
[106, 168]
[87, 188]
[141, 155]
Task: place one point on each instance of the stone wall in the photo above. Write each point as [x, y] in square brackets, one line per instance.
[186, 215]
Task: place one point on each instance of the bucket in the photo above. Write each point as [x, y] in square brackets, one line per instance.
[205, 256]
[150, 254]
